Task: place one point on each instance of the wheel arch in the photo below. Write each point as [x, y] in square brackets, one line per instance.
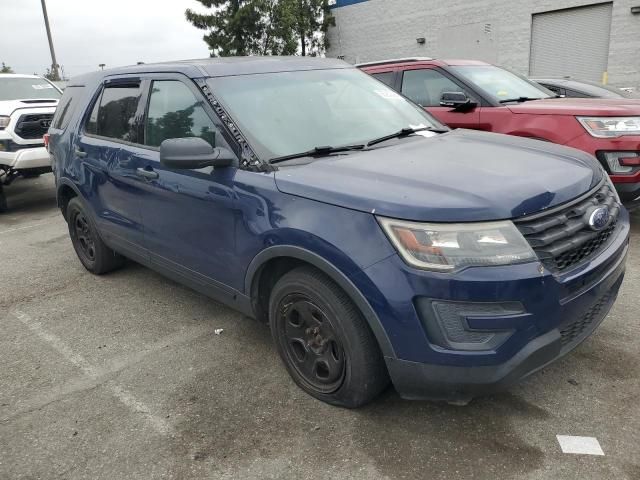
[64, 193]
[273, 262]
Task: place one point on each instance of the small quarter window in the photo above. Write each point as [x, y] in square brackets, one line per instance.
[66, 107]
[384, 77]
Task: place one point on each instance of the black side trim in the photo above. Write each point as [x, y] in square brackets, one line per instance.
[203, 284]
[332, 272]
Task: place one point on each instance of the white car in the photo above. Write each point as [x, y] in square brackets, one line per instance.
[27, 105]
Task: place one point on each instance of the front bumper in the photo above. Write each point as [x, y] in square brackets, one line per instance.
[27, 158]
[560, 311]
[452, 383]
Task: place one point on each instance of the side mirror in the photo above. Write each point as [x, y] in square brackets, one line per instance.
[193, 153]
[457, 100]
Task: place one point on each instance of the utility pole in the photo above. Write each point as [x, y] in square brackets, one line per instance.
[54, 63]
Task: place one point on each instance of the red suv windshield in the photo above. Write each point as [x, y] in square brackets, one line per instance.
[500, 84]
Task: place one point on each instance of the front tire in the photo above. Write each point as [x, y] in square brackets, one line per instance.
[323, 340]
[91, 250]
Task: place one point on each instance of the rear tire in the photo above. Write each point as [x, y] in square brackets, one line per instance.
[323, 340]
[91, 250]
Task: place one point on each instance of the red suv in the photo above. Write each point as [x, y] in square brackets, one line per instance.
[481, 96]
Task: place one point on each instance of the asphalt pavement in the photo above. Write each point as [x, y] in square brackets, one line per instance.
[123, 376]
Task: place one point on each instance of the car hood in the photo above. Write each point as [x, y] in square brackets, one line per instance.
[7, 107]
[608, 107]
[459, 176]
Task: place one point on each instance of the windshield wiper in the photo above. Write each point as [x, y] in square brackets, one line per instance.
[405, 132]
[518, 99]
[317, 152]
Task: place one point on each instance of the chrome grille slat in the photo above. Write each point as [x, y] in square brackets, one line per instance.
[563, 238]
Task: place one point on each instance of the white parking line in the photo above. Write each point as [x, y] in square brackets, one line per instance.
[25, 227]
[579, 445]
[126, 397]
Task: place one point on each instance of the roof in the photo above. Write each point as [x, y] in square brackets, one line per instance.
[418, 61]
[225, 66]
[18, 75]
[393, 60]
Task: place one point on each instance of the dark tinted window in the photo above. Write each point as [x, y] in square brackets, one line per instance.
[92, 121]
[385, 77]
[114, 114]
[554, 89]
[175, 112]
[574, 94]
[66, 107]
[425, 87]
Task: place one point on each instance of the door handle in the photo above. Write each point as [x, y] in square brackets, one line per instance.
[80, 153]
[149, 174]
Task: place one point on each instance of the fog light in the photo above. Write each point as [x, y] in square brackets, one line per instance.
[622, 162]
[469, 326]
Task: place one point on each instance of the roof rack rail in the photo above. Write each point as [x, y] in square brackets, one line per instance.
[394, 60]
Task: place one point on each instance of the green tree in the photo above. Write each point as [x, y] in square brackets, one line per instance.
[312, 19]
[241, 27]
[263, 27]
[51, 75]
[6, 68]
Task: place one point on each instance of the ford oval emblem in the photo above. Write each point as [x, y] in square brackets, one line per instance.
[599, 218]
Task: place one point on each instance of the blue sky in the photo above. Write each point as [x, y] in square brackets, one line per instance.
[89, 32]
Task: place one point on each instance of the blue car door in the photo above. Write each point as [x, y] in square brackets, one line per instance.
[107, 172]
[188, 215]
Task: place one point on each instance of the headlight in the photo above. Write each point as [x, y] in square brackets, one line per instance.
[607, 127]
[4, 121]
[445, 247]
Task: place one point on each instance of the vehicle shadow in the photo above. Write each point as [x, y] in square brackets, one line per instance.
[29, 196]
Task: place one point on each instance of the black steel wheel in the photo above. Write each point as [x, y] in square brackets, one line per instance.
[323, 340]
[311, 344]
[84, 237]
[91, 250]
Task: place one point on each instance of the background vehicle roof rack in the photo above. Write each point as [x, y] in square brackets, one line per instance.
[394, 60]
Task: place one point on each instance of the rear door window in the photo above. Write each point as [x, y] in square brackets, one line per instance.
[66, 107]
[175, 112]
[114, 115]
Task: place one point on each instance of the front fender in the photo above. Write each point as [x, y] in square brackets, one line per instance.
[333, 272]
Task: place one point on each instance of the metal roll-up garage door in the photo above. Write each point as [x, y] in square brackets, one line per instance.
[571, 42]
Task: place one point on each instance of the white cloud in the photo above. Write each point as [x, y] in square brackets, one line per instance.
[89, 32]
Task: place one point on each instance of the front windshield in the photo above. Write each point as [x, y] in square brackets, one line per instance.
[291, 112]
[21, 88]
[501, 84]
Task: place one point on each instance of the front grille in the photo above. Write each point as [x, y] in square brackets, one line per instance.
[33, 125]
[563, 238]
[573, 330]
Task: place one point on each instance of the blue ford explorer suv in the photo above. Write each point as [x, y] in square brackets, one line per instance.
[377, 245]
